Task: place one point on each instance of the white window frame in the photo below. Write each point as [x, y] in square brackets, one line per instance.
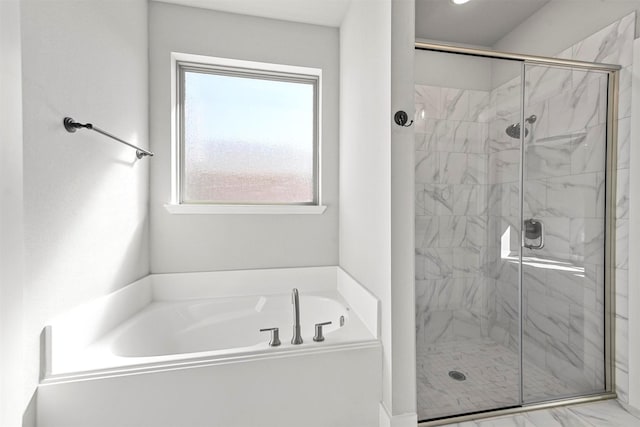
[278, 71]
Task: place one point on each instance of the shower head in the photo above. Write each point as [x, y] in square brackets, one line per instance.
[514, 130]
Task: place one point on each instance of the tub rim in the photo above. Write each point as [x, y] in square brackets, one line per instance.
[69, 329]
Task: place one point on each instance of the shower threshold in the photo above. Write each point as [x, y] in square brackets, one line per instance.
[516, 409]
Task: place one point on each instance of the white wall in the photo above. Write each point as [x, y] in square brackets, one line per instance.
[452, 70]
[85, 196]
[224, 242]
[376, 184]
[402, 217]
[365, 154]
[12, 397]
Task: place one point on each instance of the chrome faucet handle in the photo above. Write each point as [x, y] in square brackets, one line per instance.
[275, 336]
[318, 337]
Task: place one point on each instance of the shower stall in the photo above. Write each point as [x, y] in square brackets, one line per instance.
[514, 216]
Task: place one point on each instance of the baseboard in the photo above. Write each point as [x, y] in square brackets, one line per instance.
[402, 420]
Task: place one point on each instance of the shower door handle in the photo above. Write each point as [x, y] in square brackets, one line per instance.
[533, 230]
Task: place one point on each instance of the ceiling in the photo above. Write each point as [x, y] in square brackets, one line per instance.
[479, 22]
[324, 12]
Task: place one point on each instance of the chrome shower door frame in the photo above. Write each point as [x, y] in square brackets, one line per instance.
[613, 72]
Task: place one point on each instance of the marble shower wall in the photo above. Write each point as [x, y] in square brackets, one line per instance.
[451, 222]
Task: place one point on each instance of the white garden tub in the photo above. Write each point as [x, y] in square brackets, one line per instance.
[176, 347]
[228, 325]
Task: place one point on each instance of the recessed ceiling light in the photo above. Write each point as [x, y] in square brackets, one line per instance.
[459, 1]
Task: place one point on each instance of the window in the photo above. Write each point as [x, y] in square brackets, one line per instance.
[246, 133]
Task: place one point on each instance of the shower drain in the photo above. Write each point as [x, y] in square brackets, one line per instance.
[458, 376]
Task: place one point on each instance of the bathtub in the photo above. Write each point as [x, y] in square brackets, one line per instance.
[186, 349]
[228, 325]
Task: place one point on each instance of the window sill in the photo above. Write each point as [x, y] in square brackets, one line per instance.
[244, 209]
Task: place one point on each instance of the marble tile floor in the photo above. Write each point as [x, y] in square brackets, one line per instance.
[492, 378]
[607, 413]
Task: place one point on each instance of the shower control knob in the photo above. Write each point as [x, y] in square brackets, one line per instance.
[275, 336]
[318, 337]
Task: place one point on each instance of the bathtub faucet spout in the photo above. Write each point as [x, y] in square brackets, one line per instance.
[297, 338]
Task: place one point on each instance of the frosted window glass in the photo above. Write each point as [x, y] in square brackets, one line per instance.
[247, 140]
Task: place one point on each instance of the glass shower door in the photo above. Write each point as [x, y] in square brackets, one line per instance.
[467, 237]
[563, 258]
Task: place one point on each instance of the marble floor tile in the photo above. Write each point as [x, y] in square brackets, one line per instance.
[599, 414]
[492, 378]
